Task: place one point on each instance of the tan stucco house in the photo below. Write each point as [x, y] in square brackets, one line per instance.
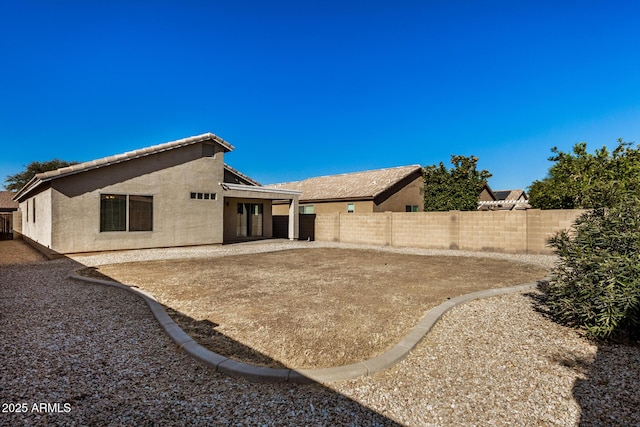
[178, 193]
[396, 189]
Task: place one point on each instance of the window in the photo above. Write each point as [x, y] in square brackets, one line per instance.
[351, 207]
[114, 213]
[411, 208]
[140, 213]
[27, 211]
[33, 205]
[309, 209]
[203, 196]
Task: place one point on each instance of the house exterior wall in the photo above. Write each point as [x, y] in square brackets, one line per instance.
[17, 224]
[170, 177]
[411, 195]
[363, 206]
[39, 230]
[485, 196]
[524, 231]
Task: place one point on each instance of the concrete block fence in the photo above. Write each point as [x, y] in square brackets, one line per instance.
[520, 231]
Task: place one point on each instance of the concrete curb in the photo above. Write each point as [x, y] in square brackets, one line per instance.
[324, 375]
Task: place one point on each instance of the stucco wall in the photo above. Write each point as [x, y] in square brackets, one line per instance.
[365, 206]
[409, 195]
[39, 230]
[169, 177]
[524, 231]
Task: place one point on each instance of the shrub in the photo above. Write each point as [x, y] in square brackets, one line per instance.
[596, 282]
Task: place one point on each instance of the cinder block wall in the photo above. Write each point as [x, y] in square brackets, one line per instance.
[365, 228]
[543, 224]
[433, 230]
[521, 231]
[493, 231]
[327, 227]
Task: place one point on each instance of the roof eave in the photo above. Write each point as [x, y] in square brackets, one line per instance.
[338, 200]
[119, 158]
[28, 187]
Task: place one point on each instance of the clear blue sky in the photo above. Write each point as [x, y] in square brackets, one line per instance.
[307, 88]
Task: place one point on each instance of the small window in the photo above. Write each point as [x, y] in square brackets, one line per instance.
[411, 208]
[351, 207]
[309, 209]
[27, 211]
[203, 196]
[33, 205]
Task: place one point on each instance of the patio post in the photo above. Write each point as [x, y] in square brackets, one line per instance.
[293, 219]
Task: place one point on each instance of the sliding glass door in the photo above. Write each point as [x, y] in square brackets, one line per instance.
[249, 220]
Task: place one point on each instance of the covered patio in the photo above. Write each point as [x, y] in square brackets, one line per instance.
[248, 212]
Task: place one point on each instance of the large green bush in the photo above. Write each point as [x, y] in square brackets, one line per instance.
[596, 282]
[583, 180]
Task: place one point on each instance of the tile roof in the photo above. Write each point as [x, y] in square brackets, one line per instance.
[509, 195]
[6, 200]
[118, 158]
[356, 185]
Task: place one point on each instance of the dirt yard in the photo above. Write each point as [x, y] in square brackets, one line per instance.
[18, 252]
[310, 308]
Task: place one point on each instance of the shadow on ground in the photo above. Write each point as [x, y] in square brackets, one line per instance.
[289, 404]
[204, 332]
[608, 394]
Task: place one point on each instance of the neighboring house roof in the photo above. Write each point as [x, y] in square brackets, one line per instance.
[119, 158]
[367, 185]
[511, 195]
[507, 199]
[486, 194]
[7, 203]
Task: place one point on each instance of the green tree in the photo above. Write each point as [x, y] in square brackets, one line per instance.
[456, 188]
[19, 180]
[596, 282]
[582, 180]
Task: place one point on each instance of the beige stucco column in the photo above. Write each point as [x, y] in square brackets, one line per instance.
[293, 219]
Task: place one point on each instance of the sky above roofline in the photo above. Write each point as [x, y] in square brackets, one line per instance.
[305, 89]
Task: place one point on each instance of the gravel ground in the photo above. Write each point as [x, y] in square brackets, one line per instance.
[96, 356]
